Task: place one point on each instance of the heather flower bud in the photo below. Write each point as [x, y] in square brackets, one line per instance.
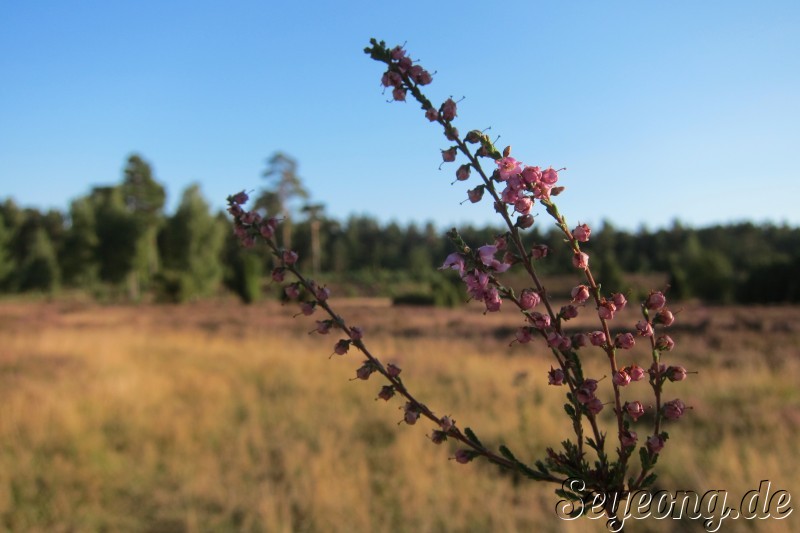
[451, 133]
[636, 372]
[621, 378]
[438, 436]
[664, 317]
[341, 347]
[619, 300]
[655, 301]
[393, 370]
[476, 194]
[323, 326]
[597, 338]
[579, 340]
[676, 373]
[655, 443]
[674, 409]
[627, 438]
[251, 217]
[365, 371]
[523, 335]
[644, 328]
[594, 405]
[308, 308]
[431, 114]
[525, 221]
[449, 155]
[447, 423]
[448, 110]
[568, 311]
[463, 172]
[581, 233]
[634, 409]
[665, 343]
[411, 414]
[356, 333]
[278, 274]
[529, 299]
[399, 94]
[292, 291]
[549, 176]
[322, 293]
[239, 198]
[624, 341]
[539, 320]
[580, 260]
[386, 393]
[465, 456]
[580, 294]
[607, 309]
[555, 376]
[523, 205]
[539, 251]
[289, 257]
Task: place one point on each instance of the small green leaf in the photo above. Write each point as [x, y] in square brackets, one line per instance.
[471, 436]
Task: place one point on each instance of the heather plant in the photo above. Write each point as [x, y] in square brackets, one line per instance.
[608, 463]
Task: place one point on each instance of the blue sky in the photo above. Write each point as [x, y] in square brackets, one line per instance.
[683, 110]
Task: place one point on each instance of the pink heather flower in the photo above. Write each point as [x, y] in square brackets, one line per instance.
[581, 233]
[525, 221]
[322, 293]
[580, 294]
[655, 443]
[398, 53]
[549, 177]
[393, 370]
[365, 371]
[342, 347]
[447, 423]
[539, 251]
[431, 114]
[523, 205]
[655, 301]
[674, 409]
[634, 409]
[665, 343]
[568, 312]
[510, 195]
[475, 194]
[539, 320]
[411, 414]
[399, 94]
[486, 254]
[464, 456]
[323, 327]
[248, 241]
[590, 385]
[419, 75]
[386, 393]
[240, 198]
[454, 261]
[266, 230]
[308, 308]
[523, 335]
[580, 260]
[278, 274]
[555, 376]
[463, 172]
[627, 438]
[644, 328]
[621, 378]
[619, 300]
[594, 405]
[289, 257]
[607, 309]
[492, 300]
[531, 175]
[624, 341]
[597, 338]
[676, 373]
[507, 167]
[356, 333]
[292, 291]
[391, 78]
[448, 110]
[449, 155]
[665, 317]
[579, 340]
[529, 299]
[554, 339]
[251, 217]
[636, 372]
[585, 392]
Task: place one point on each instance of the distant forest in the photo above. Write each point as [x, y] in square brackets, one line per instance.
[118, 244]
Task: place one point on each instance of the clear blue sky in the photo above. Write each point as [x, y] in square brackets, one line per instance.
[659, 110]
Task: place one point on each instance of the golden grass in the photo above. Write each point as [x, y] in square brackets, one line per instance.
[217, 417]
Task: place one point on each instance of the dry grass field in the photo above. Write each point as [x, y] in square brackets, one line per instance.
[220, 417]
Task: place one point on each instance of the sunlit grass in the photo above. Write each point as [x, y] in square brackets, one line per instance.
[216, 417]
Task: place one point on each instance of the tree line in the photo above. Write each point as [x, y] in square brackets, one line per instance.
[117, 243]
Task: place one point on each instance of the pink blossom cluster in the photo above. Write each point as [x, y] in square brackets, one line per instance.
[401, 69]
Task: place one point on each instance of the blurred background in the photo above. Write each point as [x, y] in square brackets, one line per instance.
[154, 380]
